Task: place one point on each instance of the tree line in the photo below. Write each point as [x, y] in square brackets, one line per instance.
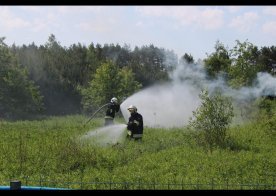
[54, 80]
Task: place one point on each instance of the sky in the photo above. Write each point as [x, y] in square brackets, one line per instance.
[182, 29]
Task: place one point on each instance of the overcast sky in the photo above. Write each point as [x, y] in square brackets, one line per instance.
[183, 29]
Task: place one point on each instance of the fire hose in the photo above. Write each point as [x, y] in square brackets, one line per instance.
[96, 113]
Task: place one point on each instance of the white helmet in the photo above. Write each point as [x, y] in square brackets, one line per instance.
[114, 100]
[132, 107]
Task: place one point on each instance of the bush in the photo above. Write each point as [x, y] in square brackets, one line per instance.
[212, 119]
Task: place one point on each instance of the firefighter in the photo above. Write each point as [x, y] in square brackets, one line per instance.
[112, 108]
[135, 124]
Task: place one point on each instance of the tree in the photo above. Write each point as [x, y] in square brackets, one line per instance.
[245, 66]
[150, 64]
[76, 67]
[63, 76]
[267, 58]
[212, 119]
[217, 62]
[187, 58]
[128, 85]
[19, 96]
[109, 81]
[93, 64]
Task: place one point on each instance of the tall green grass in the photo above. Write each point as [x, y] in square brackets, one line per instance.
[50, 150]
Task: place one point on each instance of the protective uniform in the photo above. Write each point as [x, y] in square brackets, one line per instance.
[112, 108]
[135, 124]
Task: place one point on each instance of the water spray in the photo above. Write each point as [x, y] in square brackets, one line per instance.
[167, 105]
[103, 136]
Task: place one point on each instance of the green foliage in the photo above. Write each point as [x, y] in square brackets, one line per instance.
[151, 64]
[267, 115]
[244, 66]
[270, 126]
[218, 62]
[241, 64]
[212, 119]
[19, 96]
[267, 59]
[62, 73]
[128, 85]
[109, 81]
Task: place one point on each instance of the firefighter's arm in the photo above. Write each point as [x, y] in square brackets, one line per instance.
[130, 125]
[136, 122]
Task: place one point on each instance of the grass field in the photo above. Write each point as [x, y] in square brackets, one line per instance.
[49, 152]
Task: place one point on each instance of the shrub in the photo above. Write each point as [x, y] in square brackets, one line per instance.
[212, 119]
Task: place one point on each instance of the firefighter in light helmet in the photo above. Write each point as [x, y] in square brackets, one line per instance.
[135, 124]
[112, 108]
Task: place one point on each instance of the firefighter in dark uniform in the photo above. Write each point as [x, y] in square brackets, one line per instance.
[135, 124]
[112, 108]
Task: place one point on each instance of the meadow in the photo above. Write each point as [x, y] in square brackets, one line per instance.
[48, 152]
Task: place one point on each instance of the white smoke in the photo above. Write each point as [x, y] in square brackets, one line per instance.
[266, 85]
[172, 104]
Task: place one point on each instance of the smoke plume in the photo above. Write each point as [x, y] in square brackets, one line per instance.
[172, 104]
